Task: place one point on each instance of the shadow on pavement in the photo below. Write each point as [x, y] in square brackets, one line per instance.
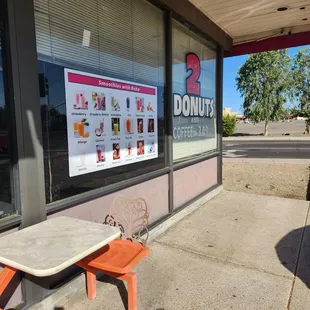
[298, 263]
[244, 134]
[120, 286]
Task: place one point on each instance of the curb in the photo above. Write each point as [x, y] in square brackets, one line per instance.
[268, 160]
[262, 138]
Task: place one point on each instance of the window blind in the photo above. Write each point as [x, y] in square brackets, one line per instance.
[118, 38]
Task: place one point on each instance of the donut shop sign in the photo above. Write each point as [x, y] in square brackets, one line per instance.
[191, 109]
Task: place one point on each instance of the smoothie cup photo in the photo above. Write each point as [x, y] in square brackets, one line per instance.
[100, 153]
[116, 129]
[128, 126]
[115, 126]
[81, 128]
[80, 101]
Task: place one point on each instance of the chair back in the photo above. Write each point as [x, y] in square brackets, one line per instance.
[131, 216]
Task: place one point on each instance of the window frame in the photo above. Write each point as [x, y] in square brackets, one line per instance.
[108, 189]
[16, 217]
[195, 159]
[23, 95]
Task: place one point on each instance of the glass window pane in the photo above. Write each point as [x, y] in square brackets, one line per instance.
[194, 88]
[6, 206]
[133, 50]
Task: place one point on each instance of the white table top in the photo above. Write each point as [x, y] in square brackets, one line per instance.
[49, 247]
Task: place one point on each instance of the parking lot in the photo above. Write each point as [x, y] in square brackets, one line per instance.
[293, 127]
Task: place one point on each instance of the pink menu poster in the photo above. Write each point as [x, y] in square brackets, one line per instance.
[110, 122]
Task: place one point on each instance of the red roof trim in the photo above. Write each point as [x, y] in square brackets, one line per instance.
[274, 43]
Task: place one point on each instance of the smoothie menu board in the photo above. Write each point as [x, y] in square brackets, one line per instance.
[110, 122]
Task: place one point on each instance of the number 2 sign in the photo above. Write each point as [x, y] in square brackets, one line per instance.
[192, 83]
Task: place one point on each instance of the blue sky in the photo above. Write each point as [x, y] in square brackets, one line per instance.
[231, 97]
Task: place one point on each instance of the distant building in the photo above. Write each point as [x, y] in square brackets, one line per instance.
[227, 111]
[241, 117]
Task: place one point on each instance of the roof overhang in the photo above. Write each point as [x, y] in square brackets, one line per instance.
[257, 26]
[279, 42]
[198, 20]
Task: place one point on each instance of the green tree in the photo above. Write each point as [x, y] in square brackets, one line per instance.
[301, 78]
[264, 82]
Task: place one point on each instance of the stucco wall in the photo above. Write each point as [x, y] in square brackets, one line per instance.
[155, 193]
[193, 180]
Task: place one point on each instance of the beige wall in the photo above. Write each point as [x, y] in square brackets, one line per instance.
[155, 192]
[193, 180]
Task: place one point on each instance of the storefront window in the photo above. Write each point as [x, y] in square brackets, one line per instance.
[194, 89]
[102, 82]
[6, 206]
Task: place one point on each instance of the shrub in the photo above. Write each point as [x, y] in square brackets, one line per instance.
[229, 125]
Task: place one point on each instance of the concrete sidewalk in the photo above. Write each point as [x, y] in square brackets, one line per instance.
[238, 251]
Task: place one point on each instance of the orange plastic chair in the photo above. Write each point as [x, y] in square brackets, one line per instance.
[6, 275]
[119, 257]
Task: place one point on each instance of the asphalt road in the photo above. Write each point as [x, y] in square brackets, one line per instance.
[266, 149]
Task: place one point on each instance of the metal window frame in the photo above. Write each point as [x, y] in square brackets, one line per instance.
[169, 109]
[219, 99]
[24, 96]
[168, 139]
[195, 160]
[189, 161]
[13, 158]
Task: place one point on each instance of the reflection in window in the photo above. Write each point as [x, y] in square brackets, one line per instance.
[194, 63]
[6, 207]
[133, 50]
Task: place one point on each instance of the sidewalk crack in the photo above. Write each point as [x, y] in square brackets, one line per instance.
[203, 255]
